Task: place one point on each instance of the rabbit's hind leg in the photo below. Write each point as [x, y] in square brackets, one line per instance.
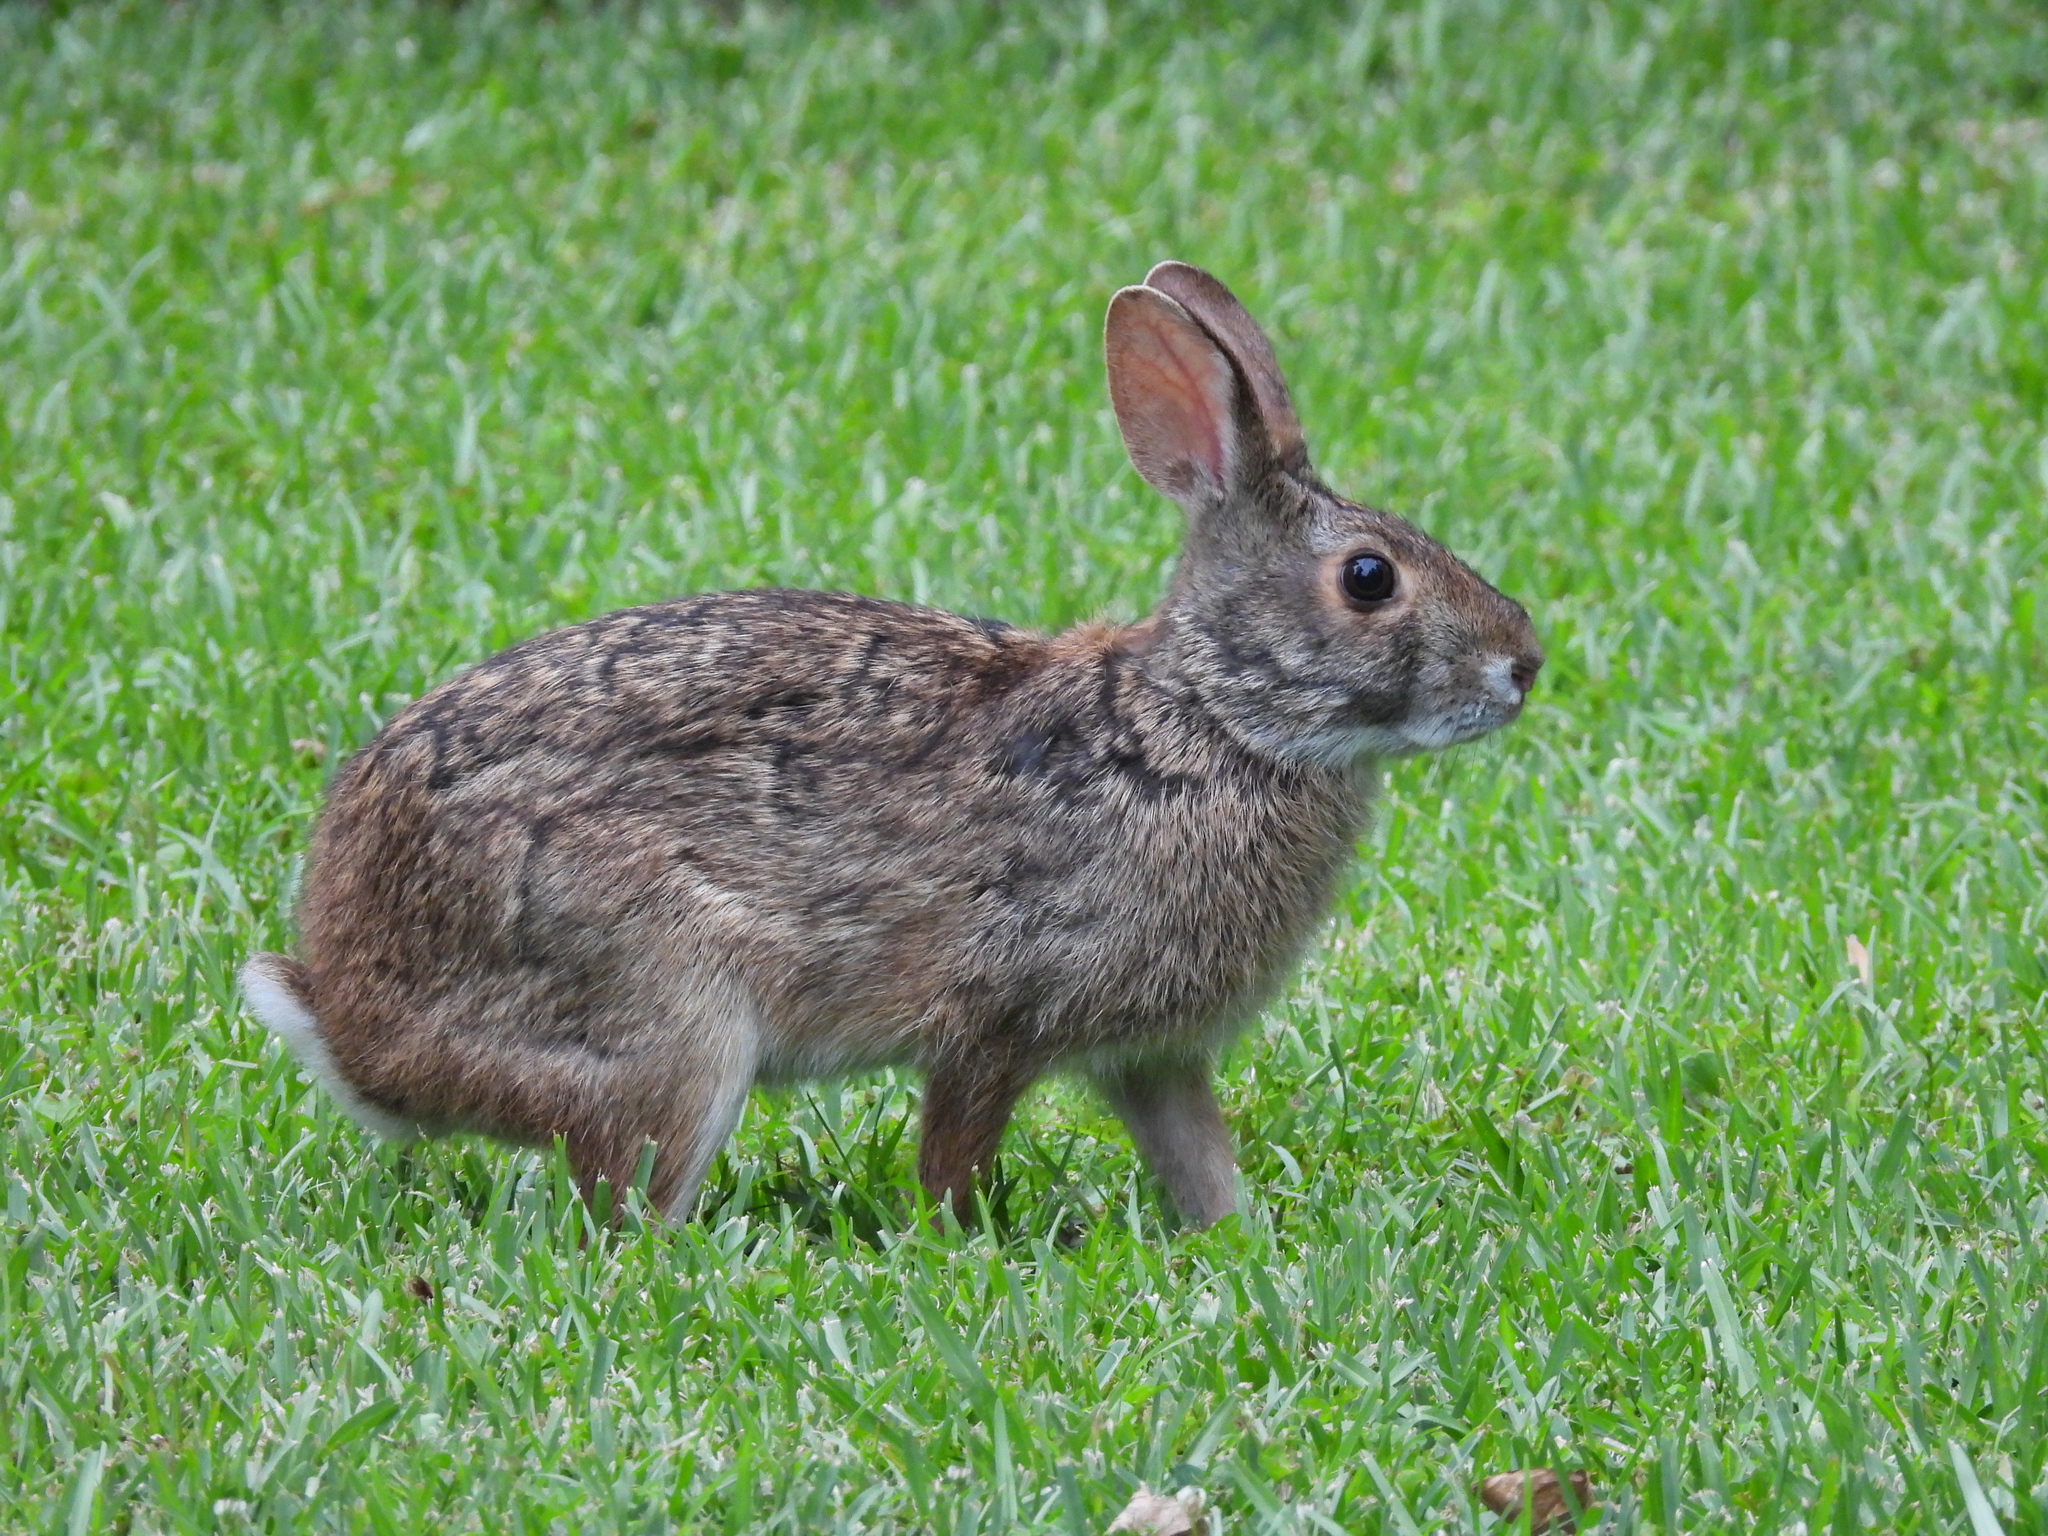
[684, 1096]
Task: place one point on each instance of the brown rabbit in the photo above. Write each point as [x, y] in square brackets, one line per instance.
[599, 885]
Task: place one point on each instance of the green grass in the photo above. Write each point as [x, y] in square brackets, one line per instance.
[340, 346]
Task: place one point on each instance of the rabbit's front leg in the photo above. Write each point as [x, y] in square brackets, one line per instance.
[1172, 1113]
[967, 1102]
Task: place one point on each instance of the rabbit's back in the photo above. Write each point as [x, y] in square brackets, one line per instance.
[894, 828]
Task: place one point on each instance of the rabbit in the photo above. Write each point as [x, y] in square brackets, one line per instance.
[599, 885]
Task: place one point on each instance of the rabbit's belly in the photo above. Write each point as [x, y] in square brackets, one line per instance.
[795, 1055]
[1144, 995]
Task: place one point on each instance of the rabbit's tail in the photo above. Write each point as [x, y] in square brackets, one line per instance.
[276, 988]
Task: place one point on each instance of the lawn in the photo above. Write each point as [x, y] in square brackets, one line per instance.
[1666, 1098]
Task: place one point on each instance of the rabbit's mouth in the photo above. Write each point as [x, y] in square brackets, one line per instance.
[1469, 707]
[1341, 742]
[1362, 727]
[1463, 722]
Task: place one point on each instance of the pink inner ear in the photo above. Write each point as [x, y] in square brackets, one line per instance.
[1173, 394]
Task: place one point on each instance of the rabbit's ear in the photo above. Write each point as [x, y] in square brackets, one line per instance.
[1177, 399]
[1218, 312]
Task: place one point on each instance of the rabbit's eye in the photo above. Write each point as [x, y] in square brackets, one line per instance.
[1367, 579]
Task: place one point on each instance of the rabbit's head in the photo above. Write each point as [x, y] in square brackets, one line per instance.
[1316, 629]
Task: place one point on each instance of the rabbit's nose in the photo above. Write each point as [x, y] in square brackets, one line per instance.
[1522, 672]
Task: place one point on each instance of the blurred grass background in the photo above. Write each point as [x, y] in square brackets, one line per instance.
[1668, 1098]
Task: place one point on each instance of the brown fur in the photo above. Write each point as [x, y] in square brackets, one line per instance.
[599, 884]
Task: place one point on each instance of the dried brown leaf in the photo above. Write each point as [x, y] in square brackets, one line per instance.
[1507, 1493]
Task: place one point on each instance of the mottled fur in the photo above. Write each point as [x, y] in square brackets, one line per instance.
[600, 884]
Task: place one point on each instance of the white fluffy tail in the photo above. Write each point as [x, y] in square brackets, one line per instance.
[271, 989]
